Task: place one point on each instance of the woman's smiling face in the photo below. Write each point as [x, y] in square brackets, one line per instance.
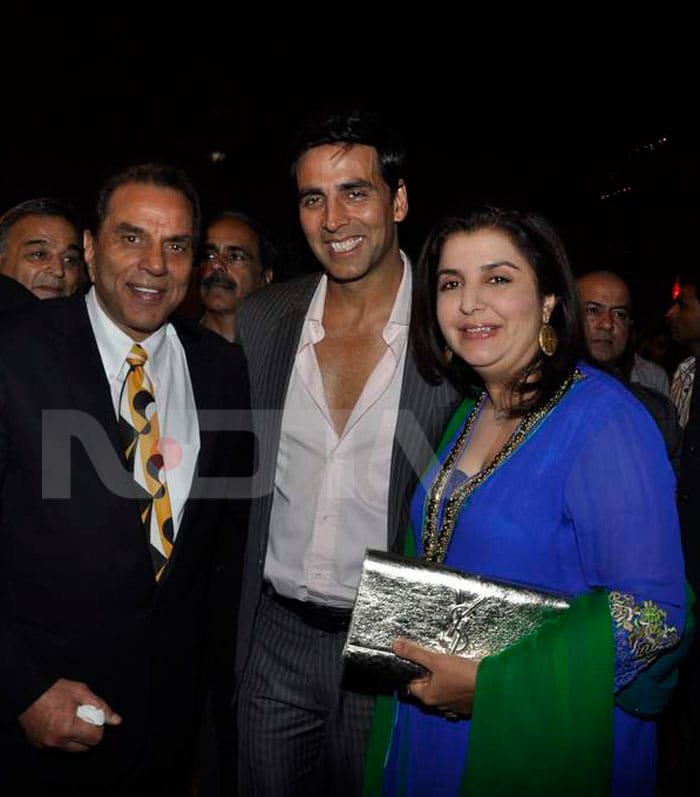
[489, 306]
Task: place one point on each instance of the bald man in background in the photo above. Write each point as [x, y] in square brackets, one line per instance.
[607, 314]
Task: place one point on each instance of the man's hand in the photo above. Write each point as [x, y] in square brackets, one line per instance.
[450, 683]
[51, 721]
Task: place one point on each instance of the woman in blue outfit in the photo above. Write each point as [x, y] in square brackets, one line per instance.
[555, 478]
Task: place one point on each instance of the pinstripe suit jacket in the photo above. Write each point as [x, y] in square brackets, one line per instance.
[269, 325]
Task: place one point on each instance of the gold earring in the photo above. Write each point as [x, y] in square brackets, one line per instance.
[547, 338]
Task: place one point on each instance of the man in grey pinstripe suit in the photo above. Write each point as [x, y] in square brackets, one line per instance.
[344, 423]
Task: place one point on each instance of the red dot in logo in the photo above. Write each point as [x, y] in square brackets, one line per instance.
[171, 451]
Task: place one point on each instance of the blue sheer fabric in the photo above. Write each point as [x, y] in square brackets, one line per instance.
[586, 501]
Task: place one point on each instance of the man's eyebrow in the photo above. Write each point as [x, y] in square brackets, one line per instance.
[180, 239]
[308, 191]
[238, 248]
[347, 185]
[35, 241]
[124, 226]
[305, 193]
[228, 248]
[610, 306]
[350, 184]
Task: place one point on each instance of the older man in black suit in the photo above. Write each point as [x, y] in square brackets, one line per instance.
[110, 516]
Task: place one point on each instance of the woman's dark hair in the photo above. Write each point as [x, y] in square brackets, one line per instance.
[535, 238]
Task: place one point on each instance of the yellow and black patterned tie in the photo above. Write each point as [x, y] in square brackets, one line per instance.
[140, 433]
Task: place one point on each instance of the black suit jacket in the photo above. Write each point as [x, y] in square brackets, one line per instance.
[78, 598]
[269, 324]
[13, 295]
[689, 493]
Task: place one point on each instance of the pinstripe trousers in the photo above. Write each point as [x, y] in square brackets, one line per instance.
[302, 730]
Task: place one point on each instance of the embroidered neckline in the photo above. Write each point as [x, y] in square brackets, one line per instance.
[436, 540]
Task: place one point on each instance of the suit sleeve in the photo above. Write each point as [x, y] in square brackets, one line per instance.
[22, 679]
[230, 544]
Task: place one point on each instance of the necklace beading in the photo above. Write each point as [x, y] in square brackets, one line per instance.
[436, 540]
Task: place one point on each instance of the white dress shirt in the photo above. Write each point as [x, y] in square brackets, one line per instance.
[331, 491]
[167, 369]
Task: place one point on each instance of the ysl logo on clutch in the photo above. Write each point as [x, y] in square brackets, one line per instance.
[469, 612]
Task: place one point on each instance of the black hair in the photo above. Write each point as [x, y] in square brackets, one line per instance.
[690, 276]
[353, 126]
[158, 174]
[43, 206]
[535, 238]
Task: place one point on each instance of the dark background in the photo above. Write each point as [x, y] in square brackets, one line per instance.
[599, 135]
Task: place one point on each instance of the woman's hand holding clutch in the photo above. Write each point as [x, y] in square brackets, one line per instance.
[449, 684]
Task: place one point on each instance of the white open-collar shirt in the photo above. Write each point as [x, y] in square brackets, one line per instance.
[331, 492]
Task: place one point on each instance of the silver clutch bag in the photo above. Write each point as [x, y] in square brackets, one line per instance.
[439, 608]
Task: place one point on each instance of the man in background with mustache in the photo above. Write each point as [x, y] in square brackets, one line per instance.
[238, 258]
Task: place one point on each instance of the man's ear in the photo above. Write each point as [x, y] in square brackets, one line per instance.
[89, 250]
[268, 275]
[400, 202]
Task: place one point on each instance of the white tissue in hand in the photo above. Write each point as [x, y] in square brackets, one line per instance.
[91, 714]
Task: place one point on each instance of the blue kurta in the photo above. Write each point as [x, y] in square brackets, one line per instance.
[587, 500]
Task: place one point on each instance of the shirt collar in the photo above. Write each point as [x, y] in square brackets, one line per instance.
[687, 365]
[400, 315]
[398, 321]
[114, 343]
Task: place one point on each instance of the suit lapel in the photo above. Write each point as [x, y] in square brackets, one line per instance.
[204, 387]
[277, 354]
[79, 362]
[280, 348]
[80, 365]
